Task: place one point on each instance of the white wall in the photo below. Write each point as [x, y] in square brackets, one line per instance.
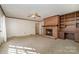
[19, 27]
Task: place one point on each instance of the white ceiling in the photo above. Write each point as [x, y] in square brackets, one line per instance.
[44, 10]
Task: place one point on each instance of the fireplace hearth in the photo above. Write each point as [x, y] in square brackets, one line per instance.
[49, 32]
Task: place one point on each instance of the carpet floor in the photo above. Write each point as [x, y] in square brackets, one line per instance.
[39, 45]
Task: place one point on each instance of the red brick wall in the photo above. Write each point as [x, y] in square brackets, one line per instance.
[53, 20]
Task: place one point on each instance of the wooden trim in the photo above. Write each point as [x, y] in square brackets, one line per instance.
[15, 17]
[22, 18]
[2, 10]
[50, 25]
[50, 17]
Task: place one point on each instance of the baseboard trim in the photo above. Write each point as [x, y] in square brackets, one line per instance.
[20, 36]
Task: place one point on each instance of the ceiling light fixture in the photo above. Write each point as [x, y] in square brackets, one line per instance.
[34, 15]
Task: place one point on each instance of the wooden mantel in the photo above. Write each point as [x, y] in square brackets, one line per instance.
[50, 25]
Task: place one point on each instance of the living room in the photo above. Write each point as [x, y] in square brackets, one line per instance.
[39, 28]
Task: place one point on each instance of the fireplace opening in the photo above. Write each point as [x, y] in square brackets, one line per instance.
[69, 36]
[49, 32]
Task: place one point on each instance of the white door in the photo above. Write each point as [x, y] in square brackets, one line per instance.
[1, 32]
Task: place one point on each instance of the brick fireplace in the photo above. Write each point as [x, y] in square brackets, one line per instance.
[64, 26]
[51, 26]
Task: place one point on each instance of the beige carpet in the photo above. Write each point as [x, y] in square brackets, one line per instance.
[38, 45]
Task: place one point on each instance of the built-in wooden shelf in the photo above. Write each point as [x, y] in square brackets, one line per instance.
[70, 22]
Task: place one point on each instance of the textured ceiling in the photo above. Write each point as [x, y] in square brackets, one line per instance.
[44, 10]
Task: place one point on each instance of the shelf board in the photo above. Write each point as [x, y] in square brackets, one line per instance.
[77, 17]
[70, 25]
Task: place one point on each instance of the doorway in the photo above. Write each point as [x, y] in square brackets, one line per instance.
[37, 28]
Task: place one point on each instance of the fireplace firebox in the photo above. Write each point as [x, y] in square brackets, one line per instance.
[69, 36]
[49, 32]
